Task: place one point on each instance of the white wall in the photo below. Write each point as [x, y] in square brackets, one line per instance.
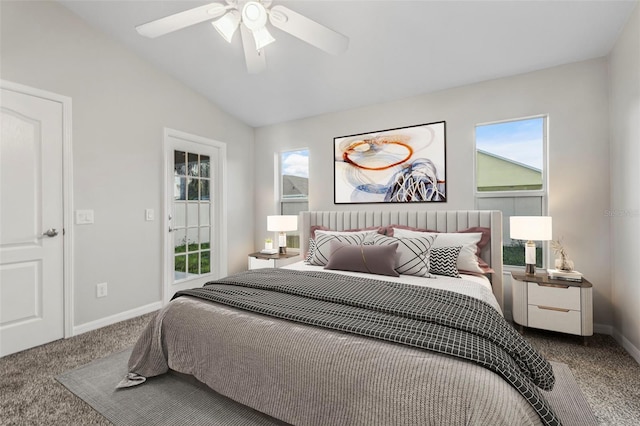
[575, 97]
[120, 106]
[625, 184]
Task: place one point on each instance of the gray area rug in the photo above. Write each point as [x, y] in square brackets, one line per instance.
[567, 400]
[173, 399]
[170, 399]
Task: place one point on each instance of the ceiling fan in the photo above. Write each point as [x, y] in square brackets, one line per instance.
[251, 17]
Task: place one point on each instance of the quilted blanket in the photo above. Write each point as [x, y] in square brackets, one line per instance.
[425, 318]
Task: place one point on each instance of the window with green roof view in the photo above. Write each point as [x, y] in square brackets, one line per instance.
[511, 158]
[294, 187]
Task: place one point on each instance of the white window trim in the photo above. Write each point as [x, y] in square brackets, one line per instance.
[281, 198]
[544, 192]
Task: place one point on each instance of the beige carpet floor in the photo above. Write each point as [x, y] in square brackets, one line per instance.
[607, 375]
[30, 394]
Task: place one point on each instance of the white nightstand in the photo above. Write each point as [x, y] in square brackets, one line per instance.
[555, 305]
[260, 260]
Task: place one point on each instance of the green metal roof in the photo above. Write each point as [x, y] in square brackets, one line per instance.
[496, 173]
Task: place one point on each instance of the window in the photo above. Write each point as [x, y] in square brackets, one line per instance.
[191, 215]
[294, 187]
[511, 176]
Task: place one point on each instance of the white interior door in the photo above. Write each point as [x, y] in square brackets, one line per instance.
[195, 216]
[31, 221]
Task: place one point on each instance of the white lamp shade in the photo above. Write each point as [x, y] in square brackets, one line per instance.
[282, 223]
[262, 37]
[227, 25]
[530, 228]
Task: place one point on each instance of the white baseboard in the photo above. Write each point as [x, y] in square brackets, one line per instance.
[603, 329]
[122, 316]
[623, 341]
[627, 345]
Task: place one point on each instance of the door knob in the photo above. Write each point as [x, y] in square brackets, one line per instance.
[50, 233]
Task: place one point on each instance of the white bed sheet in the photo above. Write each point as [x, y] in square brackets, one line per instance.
[470, 285]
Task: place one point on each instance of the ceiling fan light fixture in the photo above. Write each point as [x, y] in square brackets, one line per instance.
[251, 17]
[254, 15]
[227, 25]
[262, 37]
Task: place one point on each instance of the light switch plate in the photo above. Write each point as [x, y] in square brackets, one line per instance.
[101, 290]
[149, 214]
[84, 217]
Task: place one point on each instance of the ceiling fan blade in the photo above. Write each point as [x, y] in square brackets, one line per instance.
[256, 61]
[307, 30]
[181, 20]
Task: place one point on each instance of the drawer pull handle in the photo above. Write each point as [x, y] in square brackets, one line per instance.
[552, 285]
[549, 308]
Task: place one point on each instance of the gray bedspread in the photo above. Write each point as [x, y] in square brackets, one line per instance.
[318, 376]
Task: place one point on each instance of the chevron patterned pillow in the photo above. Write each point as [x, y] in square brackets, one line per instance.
[312, 248]
[443, 260]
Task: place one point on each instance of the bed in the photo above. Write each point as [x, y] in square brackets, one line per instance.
[308, 346]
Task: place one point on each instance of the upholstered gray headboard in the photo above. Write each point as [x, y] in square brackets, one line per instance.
[443, 221]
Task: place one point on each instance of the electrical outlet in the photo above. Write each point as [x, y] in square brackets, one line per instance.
[101, 290]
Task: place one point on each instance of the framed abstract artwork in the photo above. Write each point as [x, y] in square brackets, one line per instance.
[402, 165]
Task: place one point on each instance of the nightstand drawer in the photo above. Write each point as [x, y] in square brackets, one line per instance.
[255, 263]
[546, 318]
[555, 297]
[261, 260]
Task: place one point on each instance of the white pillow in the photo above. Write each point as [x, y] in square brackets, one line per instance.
[367, 231]
[413, 253]
[322, 252]
[467, 259]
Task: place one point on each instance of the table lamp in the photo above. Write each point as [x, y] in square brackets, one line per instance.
[282, 224]
[530, 228]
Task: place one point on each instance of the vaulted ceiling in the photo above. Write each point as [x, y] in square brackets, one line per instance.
[397, 49]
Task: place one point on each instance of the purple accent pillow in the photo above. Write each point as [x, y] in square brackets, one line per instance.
[379, 260]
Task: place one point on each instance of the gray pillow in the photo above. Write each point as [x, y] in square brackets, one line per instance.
[379, 260]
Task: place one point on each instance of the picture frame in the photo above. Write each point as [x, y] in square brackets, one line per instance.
[400, 165]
